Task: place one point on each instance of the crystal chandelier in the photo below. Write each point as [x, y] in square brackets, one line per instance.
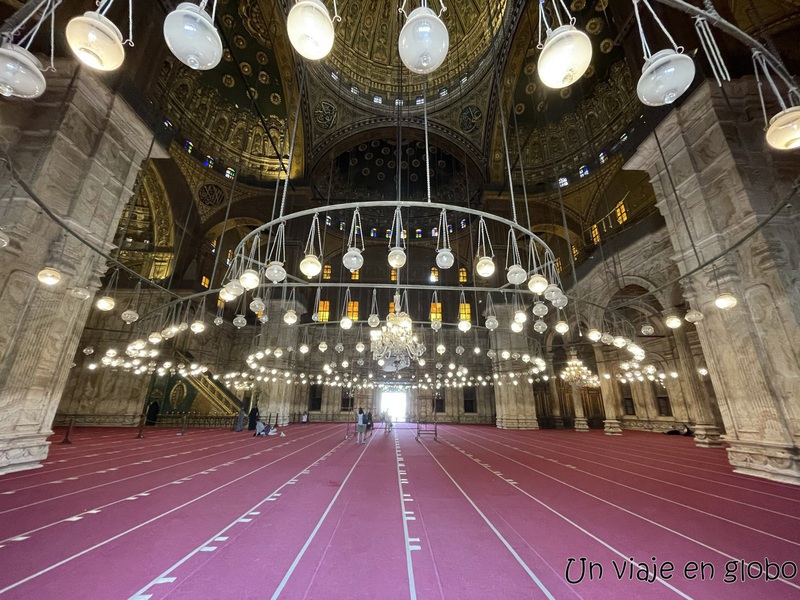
[395, 343]
[576, 373]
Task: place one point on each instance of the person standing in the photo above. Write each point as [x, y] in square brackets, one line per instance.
[252, 418]
[387, 423]
[361, 426]
[304, 418]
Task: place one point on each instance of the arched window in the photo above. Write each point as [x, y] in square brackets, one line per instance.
[326, 272]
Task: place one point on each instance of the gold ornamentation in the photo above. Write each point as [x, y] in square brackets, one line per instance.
[239, 42]
[470, 118]
[246, 68]
[177, 395]
[261, 57]
[607, 45]
[275, 98]
[263, 77]
[228, 81]
[594, 25]
[577, 5]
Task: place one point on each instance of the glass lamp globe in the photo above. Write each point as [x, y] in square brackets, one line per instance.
[537, 283]
[672, 321]
[505, 355]
[105, 303]
[352, 259]
[561, 301]
[278, 352]
[444, 258]
[540, 309]
[594, 335]
[218, 321]
[516, 326]
[197, 326]
[191, 37]
[436, 324]
[304, 348]
[485, 266]
[225, 295]
[130, 316]
[249, 279]
[239, 321]
[552, 292]
[440, 349]
[492, 323]
[397, 257]
[725, 301]
[783, 132]
[464, 325]
[234, 288]
[183, 326]
[520, 316]
[619, 342]
[95, 41]
[310, 29]
[49, 276]
[693, 316]
[540, 326]
[665, 76]
[346, 323]
[516, 275]
[360, 346]
[565, 57]
[155, 338]
[323, 346]
[562, 327]
[275, 271]
[20, 76]
[648, 330]
[290, 317]
[607, 338]
[257, 305]
[80, 293]
[423, 42]
[310, 266]
[373, 320]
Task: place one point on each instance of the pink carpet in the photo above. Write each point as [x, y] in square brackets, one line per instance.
[478, 513]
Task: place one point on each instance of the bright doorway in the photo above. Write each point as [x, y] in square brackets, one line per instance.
[395, 404]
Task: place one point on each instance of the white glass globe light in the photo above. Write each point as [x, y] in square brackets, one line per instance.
[607, 338]
[505, 355]
[436, 324]
[257, 305]
[560, 301]
[278, 353]
[197, 326]
[485, 266]
[130, 316]
[323, 346]
[80, 293]
[239, 321]
[218, 321]
[694, 316]
[304, 348]
[516, 275]
[516, 326]
[234, 288]
[275, 271]
[225, 295]
[619, 342]
[673, 321]
[310, 29]
[520, 316]
[540, 326]
[665, 76]
[648, 330]
[155, 338]
[105, 303]
[537, 283]
[540, 309]
[373, 320]
[444, 258]
[249, 279]
[562, 327]
[424, 41]
[492, 323]
[552, 291]
[95, 41]
[783, 132]
[725, 301]
[20, 75]
[397, 257]
[464, 325]
[310, 266]
[440, 349]
[565, 57]
[192, 38]
[49, 276]
[360, 346]
[346, 322]
[352, 259]
[594, 335]
[290, 317]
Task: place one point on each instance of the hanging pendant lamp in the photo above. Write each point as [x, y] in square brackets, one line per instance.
[424, 40]
[20, 73]
[191, 36]
[310, 29]
[96, 41]
[565, 53]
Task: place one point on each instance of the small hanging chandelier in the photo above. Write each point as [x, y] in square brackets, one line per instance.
[397, 252]
[310, 28]
[190, 35]
[565, 53]
[250, 278]
[444, 254]
[311, 266]
[346, 322]
[424, 40]
[485, 263]
[20, 71]
[491, 320]
[275, 271]
[515, 274]
[668, 73]
[464, 324]
[353, 259]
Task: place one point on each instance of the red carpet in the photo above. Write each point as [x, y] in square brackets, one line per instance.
[478, 513]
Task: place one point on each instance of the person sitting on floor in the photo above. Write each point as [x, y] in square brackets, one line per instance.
[273, 430]
[260, 428]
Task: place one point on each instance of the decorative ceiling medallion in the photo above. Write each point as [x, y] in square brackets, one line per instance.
[577, 5]
[226, 55]
[211, 194]
[589, 71]
[253, 93]
[530, 89]
[519, 108]
[601, 5]
[239, 42]
[566, 92]
[228, 21]
[228, 81]
[325, 115]
[246, 68]
[470, 118]
[275, 98]
[262, 57]
[530, 68]
[263, 77]
[607, 45]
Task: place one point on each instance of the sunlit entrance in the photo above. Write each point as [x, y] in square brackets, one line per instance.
[394, 403]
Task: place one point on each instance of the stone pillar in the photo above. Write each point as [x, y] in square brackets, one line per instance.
[706, 433]
[612, 404]
[555, 399]
[581, 424]
[727, 180]
[79, 147]
[515, 403]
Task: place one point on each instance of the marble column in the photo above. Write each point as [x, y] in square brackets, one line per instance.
[728, 180]
[706, 433]
[555, 399]
[612, 404]
[581, 424]
[79, 148]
